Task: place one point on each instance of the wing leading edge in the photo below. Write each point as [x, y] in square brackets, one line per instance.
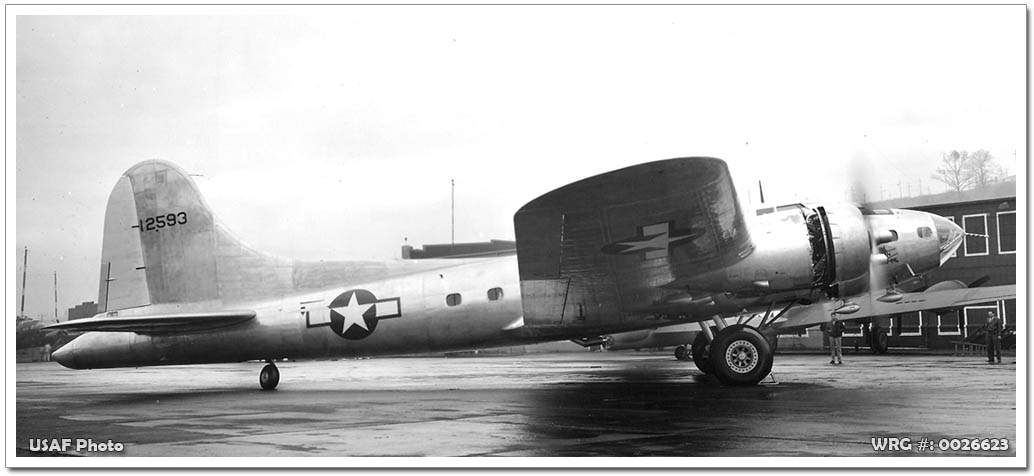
[157, 324]
[911, 302]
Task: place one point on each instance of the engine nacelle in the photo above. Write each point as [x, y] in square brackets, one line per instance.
[840, 240]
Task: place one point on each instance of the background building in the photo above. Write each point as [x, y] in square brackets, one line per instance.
[86, 309]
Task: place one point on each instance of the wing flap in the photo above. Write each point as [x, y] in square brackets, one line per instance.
[157, 324]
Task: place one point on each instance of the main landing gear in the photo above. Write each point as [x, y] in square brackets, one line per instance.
[269, 376]
[736, 354]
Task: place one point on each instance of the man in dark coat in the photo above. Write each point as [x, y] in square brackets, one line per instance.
[835, 328]
[992, 337]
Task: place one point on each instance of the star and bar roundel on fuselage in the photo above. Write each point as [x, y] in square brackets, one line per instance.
[653, 241]
[354, 314]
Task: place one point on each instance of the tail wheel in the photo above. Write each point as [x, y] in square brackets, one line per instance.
[682, 353]
[741, 356]
[701, 354]
[269, 377]
[878, 341]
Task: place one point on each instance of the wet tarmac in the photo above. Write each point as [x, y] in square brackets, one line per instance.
[580, 404]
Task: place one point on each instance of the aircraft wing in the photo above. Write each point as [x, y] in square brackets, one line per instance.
[932, 300]
[157, 324]
[609, 248]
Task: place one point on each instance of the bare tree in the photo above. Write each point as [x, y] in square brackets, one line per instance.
[954, 170]
[983, 169]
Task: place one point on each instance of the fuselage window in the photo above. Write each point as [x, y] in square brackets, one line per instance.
[495, 294]
[453, 299]
[924, 232]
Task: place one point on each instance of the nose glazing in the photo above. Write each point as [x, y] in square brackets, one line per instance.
[949, 236]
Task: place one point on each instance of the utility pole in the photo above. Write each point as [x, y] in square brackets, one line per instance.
[25, 267]
[453, 210]
[55, 297]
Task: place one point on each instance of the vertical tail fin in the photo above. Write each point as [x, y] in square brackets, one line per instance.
[162, 243]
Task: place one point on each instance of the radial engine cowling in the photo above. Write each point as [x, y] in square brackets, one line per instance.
[850, 239]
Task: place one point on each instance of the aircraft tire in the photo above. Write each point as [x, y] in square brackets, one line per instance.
[269, 377]
[701, 355]
[682, 353]
[878, 341]
[741, 356]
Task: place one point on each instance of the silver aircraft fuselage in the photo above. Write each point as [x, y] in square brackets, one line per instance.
[289, 327]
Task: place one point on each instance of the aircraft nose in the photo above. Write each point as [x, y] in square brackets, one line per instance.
[949, 236]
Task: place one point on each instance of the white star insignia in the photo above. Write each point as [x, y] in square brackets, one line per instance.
[353, 314]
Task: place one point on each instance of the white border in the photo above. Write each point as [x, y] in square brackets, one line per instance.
[574, 463]
[998, 229]
[987, 244]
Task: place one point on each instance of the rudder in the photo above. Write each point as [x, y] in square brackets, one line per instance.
[160, 240]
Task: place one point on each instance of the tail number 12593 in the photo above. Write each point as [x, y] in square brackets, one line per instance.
[161, 221]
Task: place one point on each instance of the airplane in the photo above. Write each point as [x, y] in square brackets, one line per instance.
[654, 244]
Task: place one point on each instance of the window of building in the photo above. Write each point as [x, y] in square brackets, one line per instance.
[948, 324]
[975, 227]
[975, 317]
[956, 252]
[453, 299]
[911, 324]
[1007, 233]
[1008, 308]
[852, 329]
[495, 294]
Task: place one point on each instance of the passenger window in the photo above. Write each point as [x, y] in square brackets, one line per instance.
[453, 299]
[495, 294]
[924, 232]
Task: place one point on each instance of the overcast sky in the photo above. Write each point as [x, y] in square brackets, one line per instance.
[333, 132]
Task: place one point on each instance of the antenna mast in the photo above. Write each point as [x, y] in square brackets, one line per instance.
[55, 297]
[453, 210]
[25, 267]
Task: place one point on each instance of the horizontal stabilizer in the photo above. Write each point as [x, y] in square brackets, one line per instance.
[156, 324]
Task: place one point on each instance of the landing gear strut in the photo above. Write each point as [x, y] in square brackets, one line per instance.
[269, 376]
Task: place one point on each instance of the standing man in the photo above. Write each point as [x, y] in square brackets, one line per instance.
[992, 338]
[836, 337]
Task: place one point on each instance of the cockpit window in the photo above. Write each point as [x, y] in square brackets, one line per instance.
[924, 232]
[875, 211]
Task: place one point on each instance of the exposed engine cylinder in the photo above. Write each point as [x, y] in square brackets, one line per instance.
[840, 246]
[851, 247]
